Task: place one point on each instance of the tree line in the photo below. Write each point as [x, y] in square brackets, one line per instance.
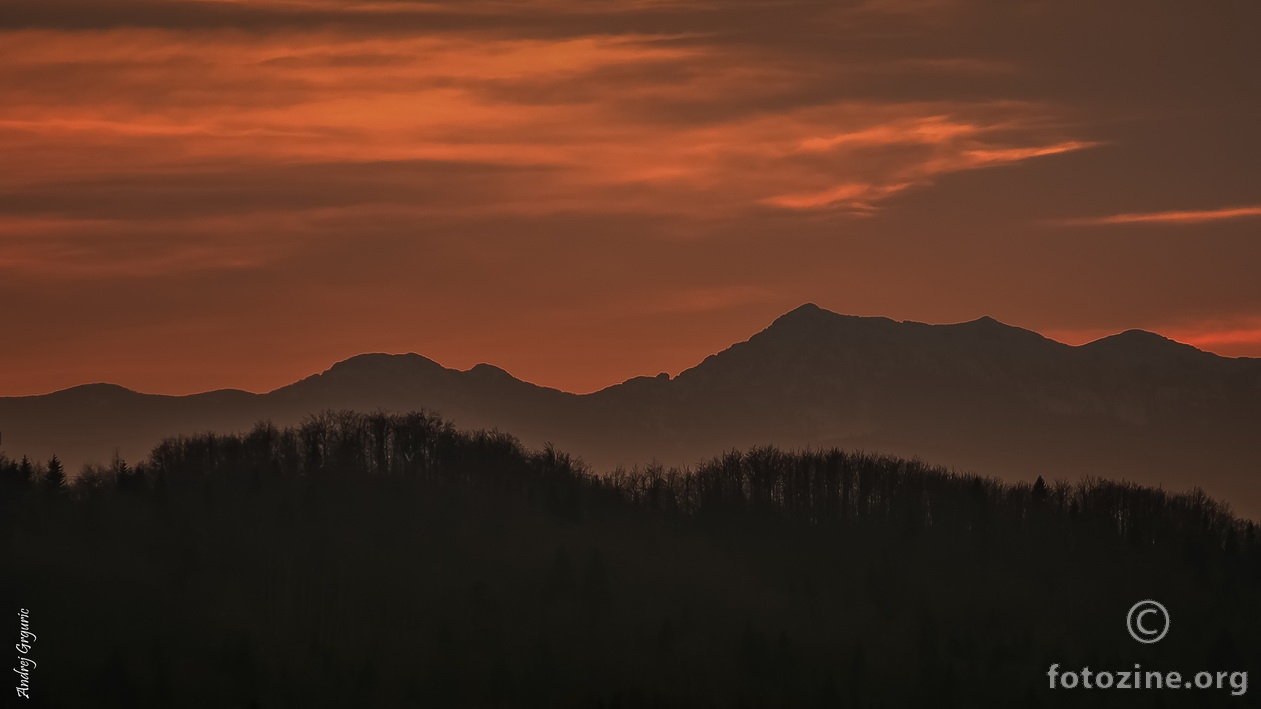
[816, 487]
[393, 560]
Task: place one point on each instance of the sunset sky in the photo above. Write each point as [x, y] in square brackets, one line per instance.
[208, 194]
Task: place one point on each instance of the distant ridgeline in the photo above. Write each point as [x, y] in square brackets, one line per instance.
[391, 560]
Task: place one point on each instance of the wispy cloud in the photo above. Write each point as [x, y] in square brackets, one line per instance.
[278, 165]
[857, 198]
[1190, 216]
[1239, 335]
[158, 124]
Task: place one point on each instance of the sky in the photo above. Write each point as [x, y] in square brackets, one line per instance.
[203, 194]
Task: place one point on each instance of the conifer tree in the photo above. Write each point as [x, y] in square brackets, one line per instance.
[55, 477]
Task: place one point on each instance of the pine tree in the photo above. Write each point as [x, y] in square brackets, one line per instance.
[55, 477]
[25, 470]
[1039, 490]
[11, 476]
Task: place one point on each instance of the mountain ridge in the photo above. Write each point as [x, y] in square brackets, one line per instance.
[980, 395]
[1130, 335]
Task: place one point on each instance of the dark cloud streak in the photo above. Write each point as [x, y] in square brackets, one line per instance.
[537, 20]
[253, 188]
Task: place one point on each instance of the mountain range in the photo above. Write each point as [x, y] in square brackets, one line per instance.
[980, 396]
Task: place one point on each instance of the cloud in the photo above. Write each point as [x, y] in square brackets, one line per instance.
[269, 189]
[156, 125]
[1209, 340]
[1193, 216]
[296, 169]
[858, 198]
[72, 251]
[535, 18]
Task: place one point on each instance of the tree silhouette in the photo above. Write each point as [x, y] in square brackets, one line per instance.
[54, 478]
[392, 560]
[25, 471]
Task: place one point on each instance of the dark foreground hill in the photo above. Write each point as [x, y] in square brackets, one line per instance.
[377, 561]
[979, 395]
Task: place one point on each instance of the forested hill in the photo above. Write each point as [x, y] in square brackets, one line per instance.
[377, 560]
[980, 395]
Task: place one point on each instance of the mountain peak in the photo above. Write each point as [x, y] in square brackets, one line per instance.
[489, 371]
[988, 329]
[810, 316]
[1141, 342]
[99, 390]
[374, 369]
[803, 314]
[986, 321]
[380, 360]
[806, 308]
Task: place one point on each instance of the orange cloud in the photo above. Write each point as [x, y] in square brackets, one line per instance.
[858, 198]
[1239, 337]
[312, 173]
[162, 125]
[1171, 217]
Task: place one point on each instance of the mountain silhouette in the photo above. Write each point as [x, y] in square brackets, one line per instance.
[978, 395]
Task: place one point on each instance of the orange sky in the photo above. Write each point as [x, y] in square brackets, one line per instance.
[205, 194]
